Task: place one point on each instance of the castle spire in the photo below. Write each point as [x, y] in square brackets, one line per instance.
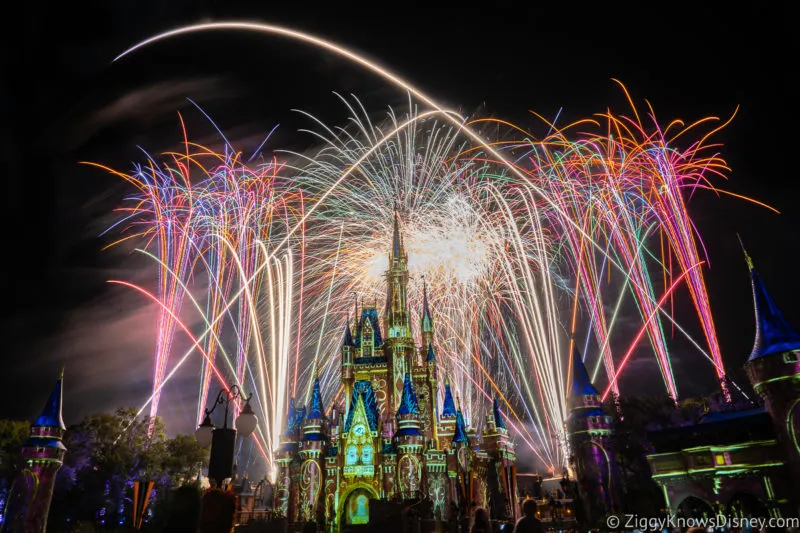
[315, 410]
[348, 336]
[431, 356]
[290, 418]
[498, 416]
[461, 428]
[397, 322]
[31, 492]
[589, 428]
[773, 332]
[408, 402]
[581, 384]
[51, 414]
[397, 243]
[427, 319]
[449, 406]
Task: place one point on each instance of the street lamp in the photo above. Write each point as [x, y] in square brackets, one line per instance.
[222, 440]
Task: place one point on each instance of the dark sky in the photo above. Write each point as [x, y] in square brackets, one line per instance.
[61, 102]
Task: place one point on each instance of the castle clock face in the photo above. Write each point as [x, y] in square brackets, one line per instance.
[359, 430]
[352, 455]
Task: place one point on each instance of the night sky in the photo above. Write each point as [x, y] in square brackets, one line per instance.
[62, 102]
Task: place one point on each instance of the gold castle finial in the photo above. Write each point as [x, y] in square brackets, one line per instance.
[746, 255]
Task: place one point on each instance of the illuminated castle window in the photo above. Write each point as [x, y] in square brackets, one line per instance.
[351, 457]
[366, 454]
[791, 357]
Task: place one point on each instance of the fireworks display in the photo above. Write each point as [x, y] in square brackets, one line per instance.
[528, 249]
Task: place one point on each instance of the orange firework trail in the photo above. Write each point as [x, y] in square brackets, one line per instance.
[527, 247]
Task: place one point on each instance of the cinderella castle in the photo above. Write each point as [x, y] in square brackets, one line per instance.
[394, 442]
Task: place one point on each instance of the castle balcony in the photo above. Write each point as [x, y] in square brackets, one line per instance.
[358, 471]
[716, 460]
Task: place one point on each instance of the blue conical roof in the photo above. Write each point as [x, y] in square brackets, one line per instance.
[461, 429]
[51, 414]
[364, 389]
[299, 416]
[581, 384]
[773, 332]
[347, 340]
[431, 354]
[408, 402]
[315, 410]
[498, 416]
[290, 419]
[449, 407]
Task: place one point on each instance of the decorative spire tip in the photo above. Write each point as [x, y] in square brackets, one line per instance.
[746, 255]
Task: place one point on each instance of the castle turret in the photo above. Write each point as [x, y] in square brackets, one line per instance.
[399, 347]
[312, 445]
[397, 281]
[408, 413]
[773, 369]
[589, 431]
[502, 471]
[347, 362]
[409, 443]
[42, 455]
[460, 467]
[431, 425]
[447, 418]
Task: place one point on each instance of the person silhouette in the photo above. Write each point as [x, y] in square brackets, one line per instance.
[480, 521]
[185, 514]
[218, 512]
[529, 523]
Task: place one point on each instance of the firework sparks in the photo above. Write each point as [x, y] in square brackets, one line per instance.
[515, 239]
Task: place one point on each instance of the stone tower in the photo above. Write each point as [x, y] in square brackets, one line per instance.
[310, 454]
[409, 443]
[773, 369]
[503, 477]
[43, 455]
[589, 431]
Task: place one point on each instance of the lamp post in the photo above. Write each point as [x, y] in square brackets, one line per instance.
[222, 440]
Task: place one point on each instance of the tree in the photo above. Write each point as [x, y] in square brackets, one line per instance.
[12, 434]
[107, 454]
[183, 459]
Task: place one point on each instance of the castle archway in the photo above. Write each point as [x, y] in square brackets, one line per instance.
[354, 506]
[694, 507]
